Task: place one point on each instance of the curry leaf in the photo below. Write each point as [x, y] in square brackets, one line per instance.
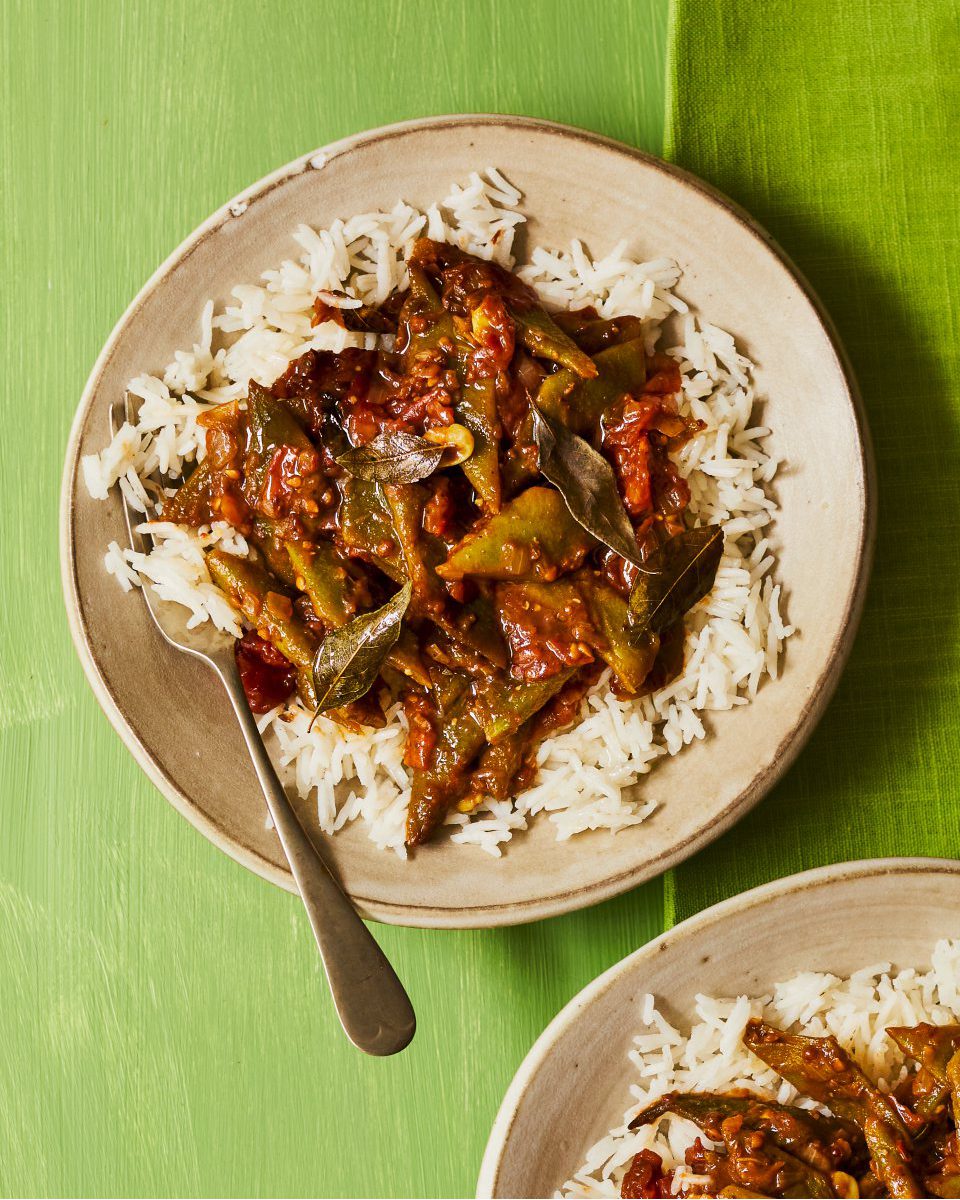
[393, 458]
[676, 576]
[587, 484]
[349, 659]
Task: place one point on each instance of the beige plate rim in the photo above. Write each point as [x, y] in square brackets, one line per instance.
[717, 914]
[487, 915]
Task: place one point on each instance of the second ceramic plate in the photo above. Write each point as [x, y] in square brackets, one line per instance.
[172, 713]
[574, 1084]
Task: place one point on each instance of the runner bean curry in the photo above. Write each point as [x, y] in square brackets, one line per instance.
[474, 518]
[872, 1144]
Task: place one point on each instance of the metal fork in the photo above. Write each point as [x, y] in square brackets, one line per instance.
[370, 1000]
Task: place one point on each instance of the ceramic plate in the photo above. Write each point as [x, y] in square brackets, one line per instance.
[574, 1084]
[171, 712]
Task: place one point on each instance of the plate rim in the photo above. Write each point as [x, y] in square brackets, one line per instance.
[739, 904]
[483, 915]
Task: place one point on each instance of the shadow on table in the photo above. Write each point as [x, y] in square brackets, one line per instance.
[879, 776]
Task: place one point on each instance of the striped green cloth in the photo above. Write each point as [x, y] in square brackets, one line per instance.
[837, 125]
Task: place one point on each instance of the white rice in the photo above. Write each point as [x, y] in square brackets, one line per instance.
[711, 1056]
[587, 775]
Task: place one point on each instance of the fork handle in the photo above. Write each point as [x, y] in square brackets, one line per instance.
[370, 1000]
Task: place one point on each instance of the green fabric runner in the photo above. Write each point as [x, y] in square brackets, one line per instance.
[835, 125]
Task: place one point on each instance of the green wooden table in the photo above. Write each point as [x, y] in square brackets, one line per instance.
[164, 1026]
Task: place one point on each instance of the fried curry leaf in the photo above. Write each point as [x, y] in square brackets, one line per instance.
[349, 659]
[587, 484]
[675, 577]
[393, 457]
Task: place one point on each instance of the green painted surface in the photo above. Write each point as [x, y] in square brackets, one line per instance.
[835, 125]
[165, 1029]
